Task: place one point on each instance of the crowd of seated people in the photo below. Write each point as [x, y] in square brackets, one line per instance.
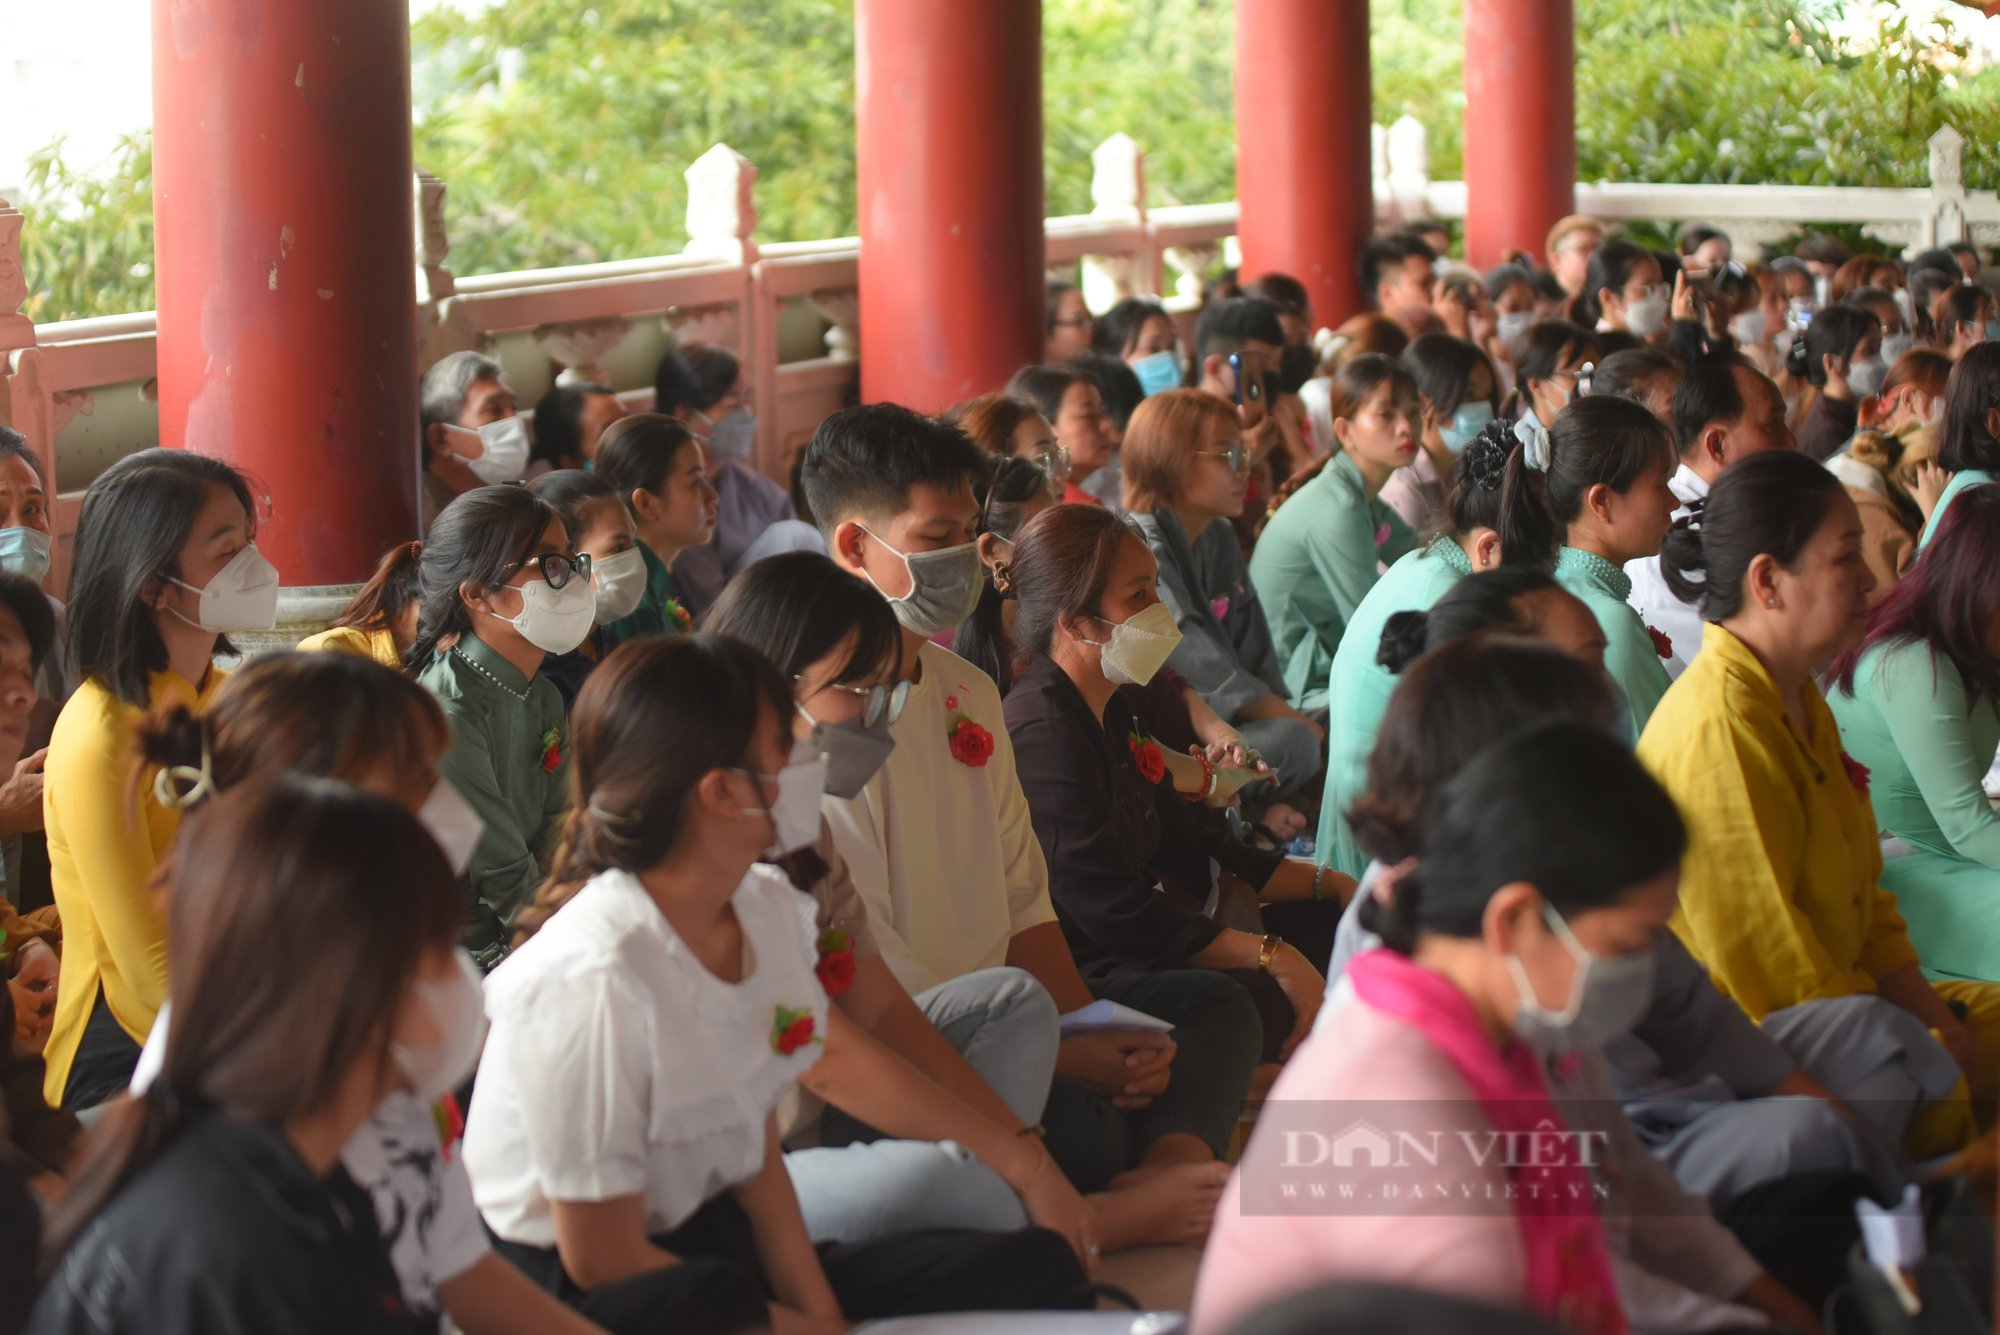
[1563, 699]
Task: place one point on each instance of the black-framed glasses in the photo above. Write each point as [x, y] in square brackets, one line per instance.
[878, 702]
[1236, 455]
[555, 568]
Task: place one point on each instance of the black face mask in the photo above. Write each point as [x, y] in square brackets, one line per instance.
[1296, 365]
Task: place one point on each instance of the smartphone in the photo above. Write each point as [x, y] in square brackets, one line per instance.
[1248, 373]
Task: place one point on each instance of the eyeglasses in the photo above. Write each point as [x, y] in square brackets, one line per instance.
[1237, 456]
[556, 569]
[879, 702]
[1055, 465]
[1070, 321]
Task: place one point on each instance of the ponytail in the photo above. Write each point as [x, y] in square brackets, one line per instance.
[1494, 487]
[1403, 639]
[1290, 487]
[133, 1132]
[1769, 504]
[1390, 909]
[393, 587]
[1683, 563]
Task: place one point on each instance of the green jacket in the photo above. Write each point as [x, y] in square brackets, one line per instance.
[1358, 688]
[1927, 750]
[1315, 561]
[509, 757]
[1631, 655]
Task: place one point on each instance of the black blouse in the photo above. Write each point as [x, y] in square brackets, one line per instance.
[1112, 839]
[228, 1232]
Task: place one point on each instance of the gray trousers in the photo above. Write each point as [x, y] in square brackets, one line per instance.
[861, 1187]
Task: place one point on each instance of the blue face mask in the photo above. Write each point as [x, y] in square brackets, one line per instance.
[1465, 425]
[1158, 372]
[24, 551]
[1993, 329]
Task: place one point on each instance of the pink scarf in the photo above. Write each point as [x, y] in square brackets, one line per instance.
[1569, 1271]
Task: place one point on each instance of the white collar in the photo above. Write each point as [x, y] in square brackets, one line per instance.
[1687, 485]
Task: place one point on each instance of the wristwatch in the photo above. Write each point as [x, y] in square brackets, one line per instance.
[1269, 952]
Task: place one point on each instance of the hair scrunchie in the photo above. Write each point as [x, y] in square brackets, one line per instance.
[1534, 438]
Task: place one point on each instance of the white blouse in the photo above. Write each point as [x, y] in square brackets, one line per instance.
[618, 1065]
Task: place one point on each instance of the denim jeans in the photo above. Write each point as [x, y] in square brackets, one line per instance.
[860, 1186]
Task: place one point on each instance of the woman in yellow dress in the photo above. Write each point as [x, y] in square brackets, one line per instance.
[1781, 894]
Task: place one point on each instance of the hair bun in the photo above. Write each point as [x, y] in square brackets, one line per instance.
[1486, 457]
[1403, 638]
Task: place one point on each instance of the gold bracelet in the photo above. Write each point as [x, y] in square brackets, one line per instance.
[1269, 952]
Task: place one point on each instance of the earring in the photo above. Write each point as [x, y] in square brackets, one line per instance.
[1771, 602]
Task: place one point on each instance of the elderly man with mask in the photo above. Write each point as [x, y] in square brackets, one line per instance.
[473, 435]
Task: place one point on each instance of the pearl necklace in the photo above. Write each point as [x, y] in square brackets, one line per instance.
[522, 696]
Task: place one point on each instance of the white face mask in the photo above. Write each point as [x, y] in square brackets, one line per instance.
[503, 447]
[1512, 324]
[457, 1009]
[243, 595]
[1139, 646]
[453, 823]
[1865, 377]
[553, 620]
[1648, 315]
[1749, 328]
[1894, 346]
[1906, 304]
[621, 582]
[795, 813]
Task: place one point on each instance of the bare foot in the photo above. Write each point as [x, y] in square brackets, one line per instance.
[1173, 1206]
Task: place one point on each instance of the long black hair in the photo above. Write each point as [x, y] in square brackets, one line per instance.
[136, 518]
[473, 541]
[1969, 395]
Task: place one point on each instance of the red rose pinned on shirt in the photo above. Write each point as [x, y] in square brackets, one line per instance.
[1662, 644]
[1146, 756]
[1219, 606]
[552, 751]
[677, 616]
[836, 961]
[1857, 773]
[970, 744]
[450, 1124]
[791, 1029]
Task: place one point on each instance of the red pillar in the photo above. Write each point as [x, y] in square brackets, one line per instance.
[1520, 124]
[1304, 174]
[949, 146]
[284, 264]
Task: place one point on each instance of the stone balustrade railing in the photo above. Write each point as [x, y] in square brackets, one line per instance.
[81, 390]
